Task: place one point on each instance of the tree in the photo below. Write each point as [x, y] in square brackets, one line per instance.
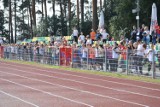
[78, 14]
[10, 22]
[82, 13]
[95, 18]
[54, 15]
[34, 13]
[69, 15]
[2, 21]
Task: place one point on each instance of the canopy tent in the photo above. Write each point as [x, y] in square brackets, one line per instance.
[154, 22]
[101, 21]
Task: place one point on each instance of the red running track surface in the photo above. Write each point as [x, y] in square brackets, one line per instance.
[30, 86]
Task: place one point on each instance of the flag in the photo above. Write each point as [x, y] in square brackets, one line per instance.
[154, 22]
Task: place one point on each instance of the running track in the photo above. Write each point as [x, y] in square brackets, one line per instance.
[29, 86]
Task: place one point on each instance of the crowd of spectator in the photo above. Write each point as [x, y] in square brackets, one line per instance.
[94, 50]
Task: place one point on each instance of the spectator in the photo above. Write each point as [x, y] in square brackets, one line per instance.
[134, 34]
[88, 40]
[108, 55]
[115, 56]
[139, 57]
[158, 33]
[154, 36]
[151, 58]
[123, 48]
[1, 40]
[104, 36]
[75, 35]
[98, 35]
[81, 38]
[146, 35]
[93, 35]
[141, 31]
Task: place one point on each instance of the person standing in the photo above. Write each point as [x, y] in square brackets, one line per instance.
[151, 58]
[104, 36]
[146, 35]
[158, 33]
[115, 56]
[93, 35]
[81, 39]
[134, 34]
[139, 57]
[75, 35]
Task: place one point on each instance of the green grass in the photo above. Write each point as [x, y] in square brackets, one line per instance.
[109, 74]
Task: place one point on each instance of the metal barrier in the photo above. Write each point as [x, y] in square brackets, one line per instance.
[97, 59]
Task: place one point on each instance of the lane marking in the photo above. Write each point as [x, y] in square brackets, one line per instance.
[104, 96]
[48, 93]
[95, 85]
[93, 78]
[18, 98]
[83, 73]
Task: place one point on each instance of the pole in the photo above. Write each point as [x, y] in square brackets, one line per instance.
[153, 64]
[138, 9]
[15, 35]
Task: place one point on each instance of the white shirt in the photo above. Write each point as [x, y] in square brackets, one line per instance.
[1, 41]
[41, 50]
[75, 32]
[140, 50]
[84, 53]
[150, 56]
[82, 38]
[96, 53]
[12, 49]
[104, 35]
[89, 41]
[146, 52]
[115, 55]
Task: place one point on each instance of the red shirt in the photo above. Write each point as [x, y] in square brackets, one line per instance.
[123, 51]
[158, 29]
[93, 35]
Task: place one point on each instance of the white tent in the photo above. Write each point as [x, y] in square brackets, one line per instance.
[101, 20]
[153, 18]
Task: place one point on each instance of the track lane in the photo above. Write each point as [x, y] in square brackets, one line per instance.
[125, 82]
[48, 89]
[8, 100]
[118, 94]
[38, 96]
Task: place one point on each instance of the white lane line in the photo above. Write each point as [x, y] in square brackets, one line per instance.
[45, 92]
[126, 84]
[90, 74]
[18, 98]
[75, 89]
[95, 85]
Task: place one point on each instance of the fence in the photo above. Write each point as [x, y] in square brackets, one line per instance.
[97, 59]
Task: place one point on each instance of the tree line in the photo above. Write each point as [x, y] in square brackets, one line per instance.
[119, 19]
